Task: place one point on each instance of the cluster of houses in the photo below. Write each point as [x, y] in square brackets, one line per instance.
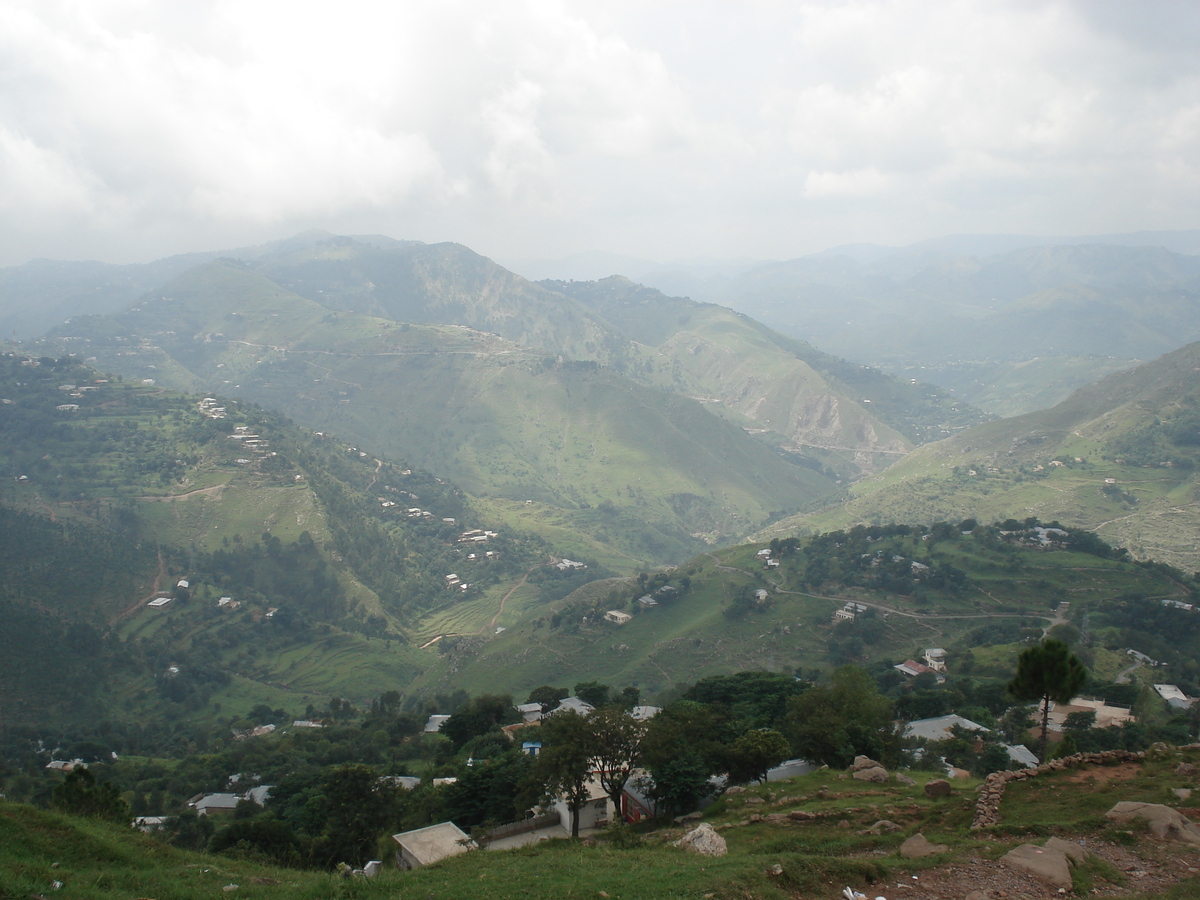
[934, 663]
[208, 407]
[76, 391]
[768, 561]
[255, 443]
[476, 536]
[849, 612]
[453, 581]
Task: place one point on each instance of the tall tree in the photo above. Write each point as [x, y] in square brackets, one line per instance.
[80, 795]
[834, 723]
[564, 765]
[616, 749]
[1047, 672]
[754, 753]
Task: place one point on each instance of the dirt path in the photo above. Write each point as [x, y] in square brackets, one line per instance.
[375, 477]
[1123, 675]
[172, 498]
[482, 628]
[138, 604]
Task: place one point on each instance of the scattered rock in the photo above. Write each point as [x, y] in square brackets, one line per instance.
[1044, 862]
[755, 817]
[978, 895]
[262, 879]
[703, 840]
[904, 779]
[918, 846]
[736, 789]
[755, 800]
[844, 823]
[230, 888]
[1187, 769]
[775, 870]
[939, 787]
[1165, 822]
[801, 815]
[1182, 793]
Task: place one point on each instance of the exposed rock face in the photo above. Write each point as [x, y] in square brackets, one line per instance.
[938, 788]
[703, 840]
[1165, 822]
[1045, 862]
[917, 846]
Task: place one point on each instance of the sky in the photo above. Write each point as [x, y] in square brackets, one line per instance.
[131, 129]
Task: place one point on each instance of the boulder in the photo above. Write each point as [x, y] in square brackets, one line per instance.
[1187, 769]
[1070, 849]
[703, 840]
[904, 779]
[939, 787]
[864, 762]
[1045, 862]
[1182, 793]
[736, 789]
[802, 815]
[917, 846]
[877, 774]
[1164, 822]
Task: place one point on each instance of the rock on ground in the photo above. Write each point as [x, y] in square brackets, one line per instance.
[917, 846]
[1045, 862]
[703, 840]
[877, 774]
[939, 787]
[1165, 822]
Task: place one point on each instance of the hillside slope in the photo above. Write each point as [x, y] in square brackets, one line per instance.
[500, 420]
[1118, 457]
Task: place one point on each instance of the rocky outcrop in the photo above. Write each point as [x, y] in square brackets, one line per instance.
[1166, 823]
[866, 769]
[703, 840]
[1049, 864]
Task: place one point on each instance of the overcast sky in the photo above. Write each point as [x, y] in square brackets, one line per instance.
[130, 129]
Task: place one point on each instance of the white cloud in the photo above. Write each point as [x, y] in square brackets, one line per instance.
[133, 127]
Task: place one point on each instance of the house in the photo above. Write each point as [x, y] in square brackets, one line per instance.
[575, 705]
[596, 811]
[1175, 698]
[183, 583]
[270, 613]
[431, 844]
[935, 658]
[434, 724]
[617, 617]
[843, 615]
[646, 601]
[148, 824]
[216, 804]
[159, 601]
[644, 713]
[1143, 658]
[306, 723]
[760, 596]
[530, 712]
[1106, 716]
[567, 564]
[791, 768]
[404, 782]
[940, 728]
[225, 601]
[260, 794]
[912, 669]
[771, 564]
[452, 580]
[764, 553]
[66, 765]
[531, 748]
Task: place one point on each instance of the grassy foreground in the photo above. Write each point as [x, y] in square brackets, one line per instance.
[832, 847]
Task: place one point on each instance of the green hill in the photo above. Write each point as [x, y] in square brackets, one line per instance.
[1118, 457]
[642, 473]
[921, 586]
